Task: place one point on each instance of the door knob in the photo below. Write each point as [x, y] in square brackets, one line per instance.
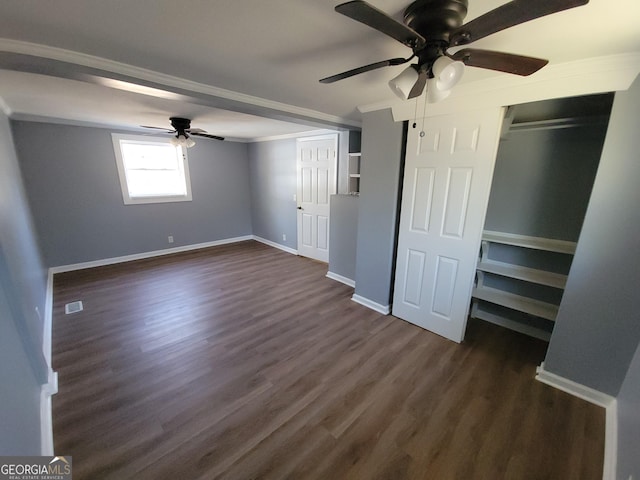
[299, 208]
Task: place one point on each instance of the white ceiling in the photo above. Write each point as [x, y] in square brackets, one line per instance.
[233, 53]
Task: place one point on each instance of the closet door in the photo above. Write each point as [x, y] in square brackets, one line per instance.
[448, 172]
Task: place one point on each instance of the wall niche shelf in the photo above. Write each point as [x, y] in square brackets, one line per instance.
[354, 172]
[514, 295]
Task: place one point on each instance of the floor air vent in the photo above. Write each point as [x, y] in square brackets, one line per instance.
[73, 307]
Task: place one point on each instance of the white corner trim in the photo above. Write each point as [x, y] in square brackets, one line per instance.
[383, 309]
[4, 107]
[609, 403]
[51, 387]
[609, 470]
[141, 256]
[48, 319]
[341, 279]
[69, 56]
[275, 245]
[46, 417]
[573, 388]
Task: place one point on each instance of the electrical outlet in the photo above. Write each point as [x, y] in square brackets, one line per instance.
[284, 237]
[170, 238]
[295, 197]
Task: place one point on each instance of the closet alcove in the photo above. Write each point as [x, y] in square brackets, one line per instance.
[545, 168]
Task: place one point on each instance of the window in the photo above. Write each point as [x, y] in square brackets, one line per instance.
[151, 170]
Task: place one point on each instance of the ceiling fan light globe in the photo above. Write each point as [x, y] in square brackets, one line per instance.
[434, 94]
[174, 141]
[189, 142]
[402, 84]
[447, 72]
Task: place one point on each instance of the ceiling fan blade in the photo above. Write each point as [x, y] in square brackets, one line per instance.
[418, 87]
[366, 68]
[158, 128]
[377, 19]
[503, 62]
[195, 130]
[207, 135]
[508, 15]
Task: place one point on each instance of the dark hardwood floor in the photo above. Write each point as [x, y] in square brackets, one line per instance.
[245, 362]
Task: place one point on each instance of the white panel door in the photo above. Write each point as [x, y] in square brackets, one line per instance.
[447, 180]
[316, 166]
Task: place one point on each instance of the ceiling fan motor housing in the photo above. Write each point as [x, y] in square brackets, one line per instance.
[434, 19]
[180, 124]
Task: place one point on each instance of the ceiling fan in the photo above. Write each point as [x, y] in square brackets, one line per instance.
[183, 132]
[431, 27]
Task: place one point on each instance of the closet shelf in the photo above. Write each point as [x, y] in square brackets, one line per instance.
[556, 123]
[355, 154]
[517, 302]
[532, 331]
[354, 175]
[526, 274]
[537, 243]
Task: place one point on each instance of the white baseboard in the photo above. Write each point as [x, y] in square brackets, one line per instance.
[383, 309]
[144, 255]
[573, 388]
[591, 395]
[275, 245]
[341, 279]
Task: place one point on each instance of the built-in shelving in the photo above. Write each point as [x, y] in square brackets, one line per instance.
[517, 302]
[525, 241]
[526, 274]
[354, 172]
[510, 301]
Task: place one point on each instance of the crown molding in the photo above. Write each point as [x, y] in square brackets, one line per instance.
[285, 136]
[161, 79]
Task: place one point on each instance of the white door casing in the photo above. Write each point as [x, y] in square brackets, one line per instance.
[316, 171]
[447, 180]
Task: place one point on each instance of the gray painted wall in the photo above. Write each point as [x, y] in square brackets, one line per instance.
[272, 177]
[72, 183]
[596, 332]
[22, 288]
[629, 422]
[343, 235]
[382, 152]
[542, 181]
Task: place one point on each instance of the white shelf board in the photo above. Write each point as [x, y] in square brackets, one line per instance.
[355, 154]
[537, 243]
[530, 330]
[517, 302]
[527, 274]
[354, 175]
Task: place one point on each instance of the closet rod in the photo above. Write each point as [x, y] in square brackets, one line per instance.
[557, 123]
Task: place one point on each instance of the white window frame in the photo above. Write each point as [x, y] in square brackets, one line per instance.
[122, 175]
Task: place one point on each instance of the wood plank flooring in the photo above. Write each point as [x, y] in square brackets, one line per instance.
[245, 362]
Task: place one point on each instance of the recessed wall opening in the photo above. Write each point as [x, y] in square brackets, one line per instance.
[545, 169]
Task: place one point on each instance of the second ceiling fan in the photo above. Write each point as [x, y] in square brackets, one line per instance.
[431, 27]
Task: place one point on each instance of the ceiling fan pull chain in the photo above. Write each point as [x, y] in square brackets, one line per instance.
[424, 109]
